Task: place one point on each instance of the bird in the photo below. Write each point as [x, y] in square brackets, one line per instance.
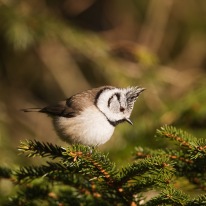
[90, 117]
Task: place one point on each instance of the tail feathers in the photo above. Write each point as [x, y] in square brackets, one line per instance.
[31, 110]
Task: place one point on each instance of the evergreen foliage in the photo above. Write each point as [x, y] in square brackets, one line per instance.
[82, 175]
[53, 49]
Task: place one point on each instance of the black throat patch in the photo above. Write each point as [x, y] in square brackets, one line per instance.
[115, 123]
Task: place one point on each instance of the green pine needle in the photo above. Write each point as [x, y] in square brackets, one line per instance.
[196, 147]
[34, 148]
[153, 165]
[199, 201]
[170, 196]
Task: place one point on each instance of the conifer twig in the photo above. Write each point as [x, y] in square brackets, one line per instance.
[35, 148]
[186, 141]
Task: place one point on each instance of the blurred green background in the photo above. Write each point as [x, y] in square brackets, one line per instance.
[52, 49]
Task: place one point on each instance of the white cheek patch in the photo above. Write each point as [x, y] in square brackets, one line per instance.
[102, 104]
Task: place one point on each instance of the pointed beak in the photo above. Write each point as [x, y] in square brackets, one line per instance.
[129, 121]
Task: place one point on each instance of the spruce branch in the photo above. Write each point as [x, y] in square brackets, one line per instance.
[199, 201]
[89, 177]
[104, 173]
[144, 183]
[178, 157]
[55, 172]
[193, 169]
[83, 161]
[27, 174]
[34, 148]
[189, 158]
[197, 147]
[30, 193]
[88, 159]
[182, 137]
[153, 165]
[169, 196]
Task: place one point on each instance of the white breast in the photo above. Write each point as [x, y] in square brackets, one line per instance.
[90, 127]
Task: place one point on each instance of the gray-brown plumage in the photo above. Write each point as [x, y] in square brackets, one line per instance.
[72, 106]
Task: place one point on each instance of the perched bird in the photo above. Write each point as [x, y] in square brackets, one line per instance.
[90, 117]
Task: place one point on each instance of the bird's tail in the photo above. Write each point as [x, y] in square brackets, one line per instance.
[31, 110]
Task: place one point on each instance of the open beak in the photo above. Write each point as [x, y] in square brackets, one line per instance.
[129, 121]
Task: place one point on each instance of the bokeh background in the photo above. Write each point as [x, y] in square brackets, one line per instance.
[52, 49]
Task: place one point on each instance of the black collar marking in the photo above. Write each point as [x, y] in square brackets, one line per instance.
[115, 123]
[99, 93]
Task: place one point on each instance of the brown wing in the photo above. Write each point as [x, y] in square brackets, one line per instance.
[72, 106]
[59, 109]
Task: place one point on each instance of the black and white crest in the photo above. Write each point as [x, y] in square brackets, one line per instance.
[132, 94]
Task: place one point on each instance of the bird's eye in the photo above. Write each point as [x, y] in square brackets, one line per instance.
[121, 109]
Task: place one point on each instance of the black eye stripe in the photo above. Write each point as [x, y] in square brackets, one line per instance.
[109, 100]
[118, 96]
